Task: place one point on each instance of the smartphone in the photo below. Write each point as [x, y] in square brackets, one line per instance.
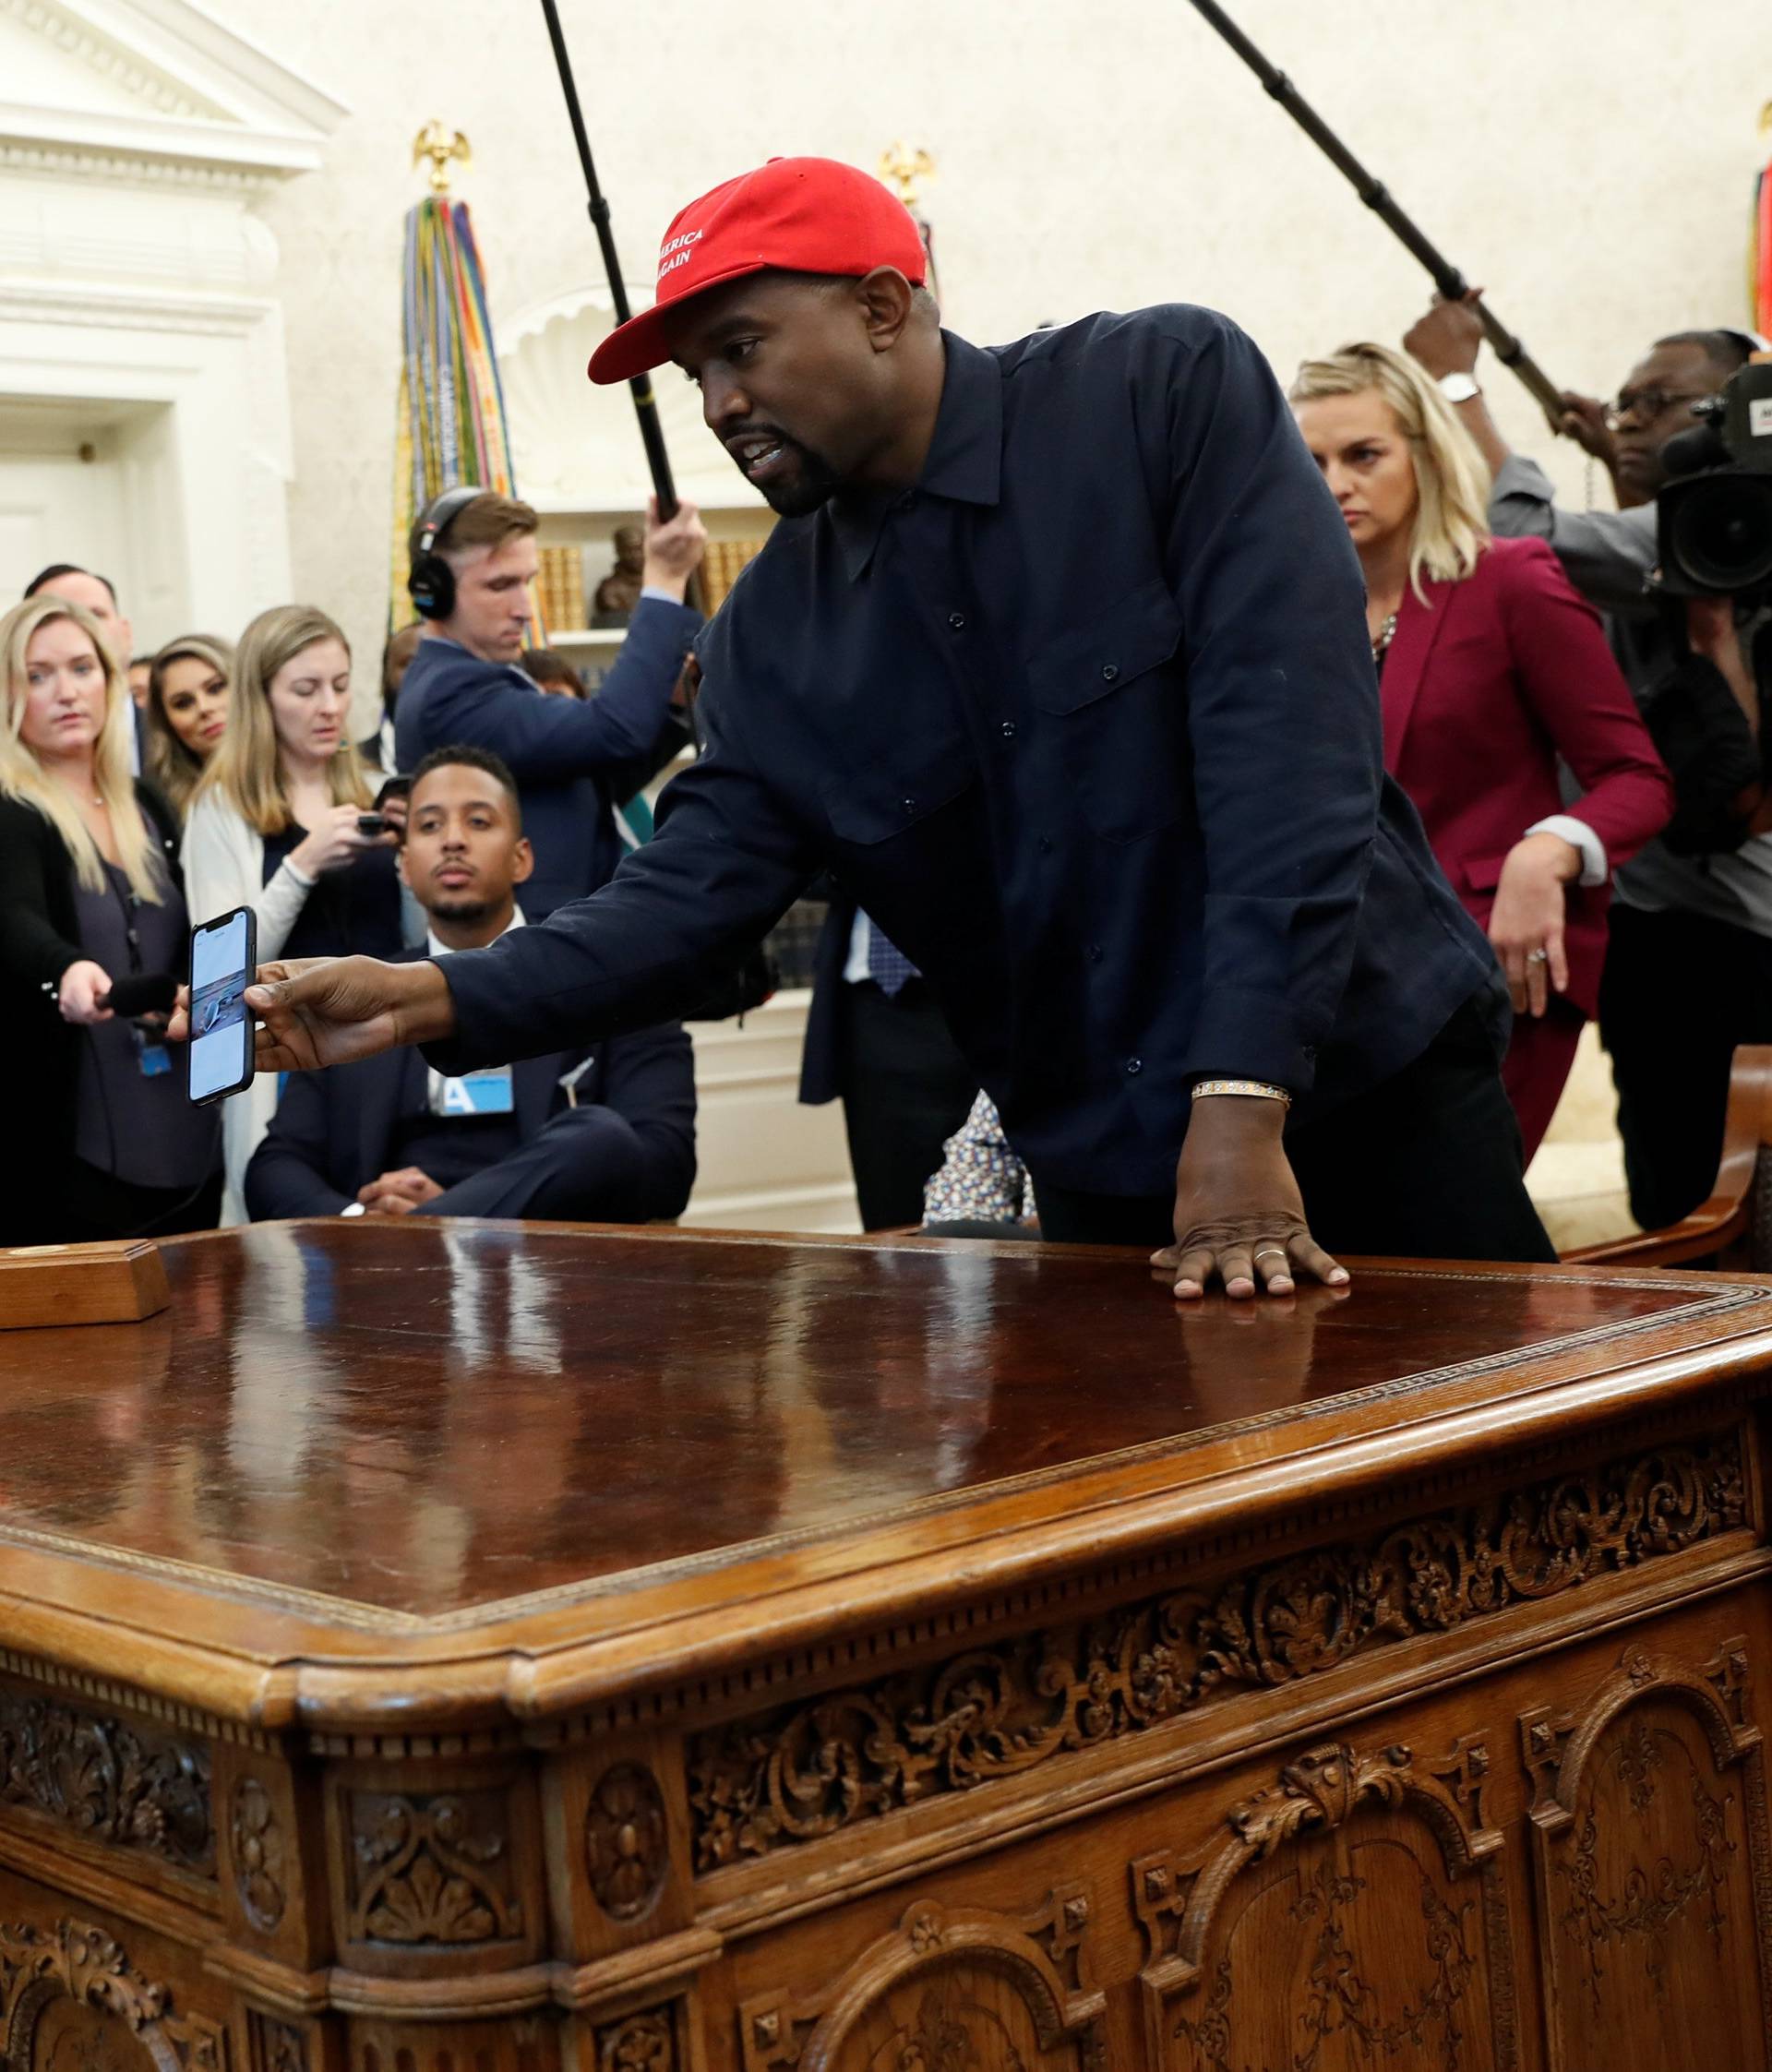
[394, 787]
[371, 824]
[224, 955]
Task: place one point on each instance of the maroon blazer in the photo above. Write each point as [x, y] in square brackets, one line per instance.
[1484, 687]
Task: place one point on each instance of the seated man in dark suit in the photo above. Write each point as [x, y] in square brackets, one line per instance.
[595, 1135]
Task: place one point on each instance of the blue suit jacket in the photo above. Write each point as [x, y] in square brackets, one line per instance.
[629, 1146]
[571, 758]
[1087, 721]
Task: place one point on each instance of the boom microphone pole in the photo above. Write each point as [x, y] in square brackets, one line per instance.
[652, 432]
[1450, 283]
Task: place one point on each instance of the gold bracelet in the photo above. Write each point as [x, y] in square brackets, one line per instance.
[1258, 1088]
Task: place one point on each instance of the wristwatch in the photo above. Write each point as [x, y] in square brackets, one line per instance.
[1460, 388]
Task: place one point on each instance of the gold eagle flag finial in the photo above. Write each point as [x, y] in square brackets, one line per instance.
[901, 169]
[443, 148]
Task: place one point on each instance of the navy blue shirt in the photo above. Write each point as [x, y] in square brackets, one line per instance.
[571, 756]
[1087, 722]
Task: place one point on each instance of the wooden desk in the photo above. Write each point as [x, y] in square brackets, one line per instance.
[490, 1650]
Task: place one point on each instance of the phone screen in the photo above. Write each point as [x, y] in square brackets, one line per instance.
[221, 1027]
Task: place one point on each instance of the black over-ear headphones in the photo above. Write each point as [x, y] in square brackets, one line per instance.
[431, 582]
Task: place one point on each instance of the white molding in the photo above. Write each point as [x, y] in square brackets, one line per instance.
[55, 231]
[136, 310]
[106, 54]
[230, 64]
[112, 171]
[203, 99]
[158, 140]
[133, 271]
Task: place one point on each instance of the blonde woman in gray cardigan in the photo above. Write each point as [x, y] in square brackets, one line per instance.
[273, 826]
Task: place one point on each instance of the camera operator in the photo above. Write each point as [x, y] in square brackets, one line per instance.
[1688, 970]
[473, 559]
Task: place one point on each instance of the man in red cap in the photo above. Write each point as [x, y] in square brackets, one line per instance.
[1058, 662]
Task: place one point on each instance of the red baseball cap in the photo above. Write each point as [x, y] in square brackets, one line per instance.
[809, 215]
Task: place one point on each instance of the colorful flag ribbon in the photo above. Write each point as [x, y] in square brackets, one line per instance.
[449, 419]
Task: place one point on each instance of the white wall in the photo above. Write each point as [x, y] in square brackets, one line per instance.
[1589, 160]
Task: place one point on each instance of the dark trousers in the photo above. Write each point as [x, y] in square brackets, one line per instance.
[90, 1206]
[905, 1090]
[1679, 992]
[1426, 1166]
[589, 1165]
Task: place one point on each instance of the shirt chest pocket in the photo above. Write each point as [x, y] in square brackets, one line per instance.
[1116, 690]
[869, 804]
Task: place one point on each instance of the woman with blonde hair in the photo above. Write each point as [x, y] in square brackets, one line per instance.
[185, 712]
[274, 825]
[1490, 667]
[102, 1139]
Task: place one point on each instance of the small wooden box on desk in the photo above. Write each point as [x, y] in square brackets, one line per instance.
[118, 1282]
[504, 1649]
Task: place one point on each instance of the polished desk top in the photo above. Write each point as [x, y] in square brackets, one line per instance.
[410, 1441]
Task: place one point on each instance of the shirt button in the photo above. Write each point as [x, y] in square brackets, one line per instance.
[1134, 1066]
[1009, 730]
[1044, 846]
[1095, 953]
[957, 620]
[1109, 670]
[908, 804]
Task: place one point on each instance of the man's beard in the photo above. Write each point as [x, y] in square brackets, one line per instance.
[812, 482]
[468, 909]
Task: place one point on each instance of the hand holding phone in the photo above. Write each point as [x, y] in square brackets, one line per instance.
[224, 956]
[335, 840]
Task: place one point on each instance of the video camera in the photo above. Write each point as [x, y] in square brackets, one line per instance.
[1714, 515]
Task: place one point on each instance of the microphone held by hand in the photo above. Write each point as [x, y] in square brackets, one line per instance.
[143, 992]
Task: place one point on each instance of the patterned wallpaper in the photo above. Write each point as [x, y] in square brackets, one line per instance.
[1588, 161]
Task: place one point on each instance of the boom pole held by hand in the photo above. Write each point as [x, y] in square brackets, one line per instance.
[1450, 283]
[645, 404]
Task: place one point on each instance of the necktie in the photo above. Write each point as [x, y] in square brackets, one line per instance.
[888, 969]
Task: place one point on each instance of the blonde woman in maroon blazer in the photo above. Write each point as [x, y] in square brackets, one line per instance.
[1491, 669]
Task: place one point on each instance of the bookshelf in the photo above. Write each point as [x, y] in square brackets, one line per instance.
[733, 533]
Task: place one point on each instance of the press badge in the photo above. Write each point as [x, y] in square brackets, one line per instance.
[475, 1093]
[153, 1057]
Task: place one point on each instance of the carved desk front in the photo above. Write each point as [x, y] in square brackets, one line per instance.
[431, 1648]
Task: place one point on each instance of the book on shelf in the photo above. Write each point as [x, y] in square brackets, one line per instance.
[561, 582]
[722, 566]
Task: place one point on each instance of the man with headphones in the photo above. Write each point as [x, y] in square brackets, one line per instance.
[474, 558]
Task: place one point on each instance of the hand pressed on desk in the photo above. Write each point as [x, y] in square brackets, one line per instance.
[1237, 1205]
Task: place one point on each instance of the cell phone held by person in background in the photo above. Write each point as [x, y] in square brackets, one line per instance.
[393, 787]
[369, 825]
[224, 955]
